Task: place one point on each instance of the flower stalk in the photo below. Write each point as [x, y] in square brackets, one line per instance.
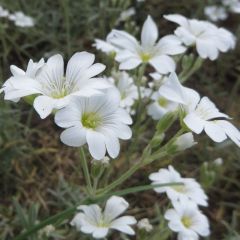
[86, 173]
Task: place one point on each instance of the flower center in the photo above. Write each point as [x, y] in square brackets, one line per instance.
[186, 221]
[162, 102]
[59, 94]
[91, 120]
[102, 223]
[58, 88]
[180, 188]
[145, 57]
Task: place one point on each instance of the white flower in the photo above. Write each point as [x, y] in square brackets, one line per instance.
[201, 114]
[185, 141]
[126, 14]
[21, 20]
[233, 5]
[3, 12]
[125, 85]
[55, 88]
[97, 121]
[12, 92]
[160, 106]
[187, 220]
[145, 225]
[215, 13]
[190, 190]
[209, 39]
[132, 53]
[91, 219]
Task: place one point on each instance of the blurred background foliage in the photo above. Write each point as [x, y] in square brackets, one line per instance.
[39, 175]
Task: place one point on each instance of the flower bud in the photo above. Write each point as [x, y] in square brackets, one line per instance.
[144, 224]
[157, 140]
[185, 141]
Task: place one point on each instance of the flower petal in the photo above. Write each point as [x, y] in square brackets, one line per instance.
[96, 144]
[177, 18]
[115, 206]
[194, 123]
[232, 132]
[207, 49]
[170, 45]
[52, 71]
[173, 90]
[129, 64]
[74, 136]
[124, 228]
[68, 117]
[44, 105]
[163, 64]
[100, 232]
[149, 33]
[112, 144]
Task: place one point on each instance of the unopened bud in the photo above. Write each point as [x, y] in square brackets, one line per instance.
[185, 141]
[145, 225]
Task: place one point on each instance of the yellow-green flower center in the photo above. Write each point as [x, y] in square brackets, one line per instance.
[180, 188]
[145, 57]
[186, 221]
[162, 102]
[91, 120]
[103, 223]
[59, 94]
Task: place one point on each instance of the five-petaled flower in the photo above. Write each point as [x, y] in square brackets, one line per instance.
[54, 89]
[208, 38]
[132, 53]
[200, 113]
[98, 121]
[187, 220]
[189, 190]
[92, 220]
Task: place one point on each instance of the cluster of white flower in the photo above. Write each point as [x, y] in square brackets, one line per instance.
[185, 218]
[199, 113]
[220, 12]
[90, 106]
[96, 110]
[208, 39]
[19, 18]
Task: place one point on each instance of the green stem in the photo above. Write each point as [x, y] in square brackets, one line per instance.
[185, 75]
[138, 83]
[85, 170]
[121, 179]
